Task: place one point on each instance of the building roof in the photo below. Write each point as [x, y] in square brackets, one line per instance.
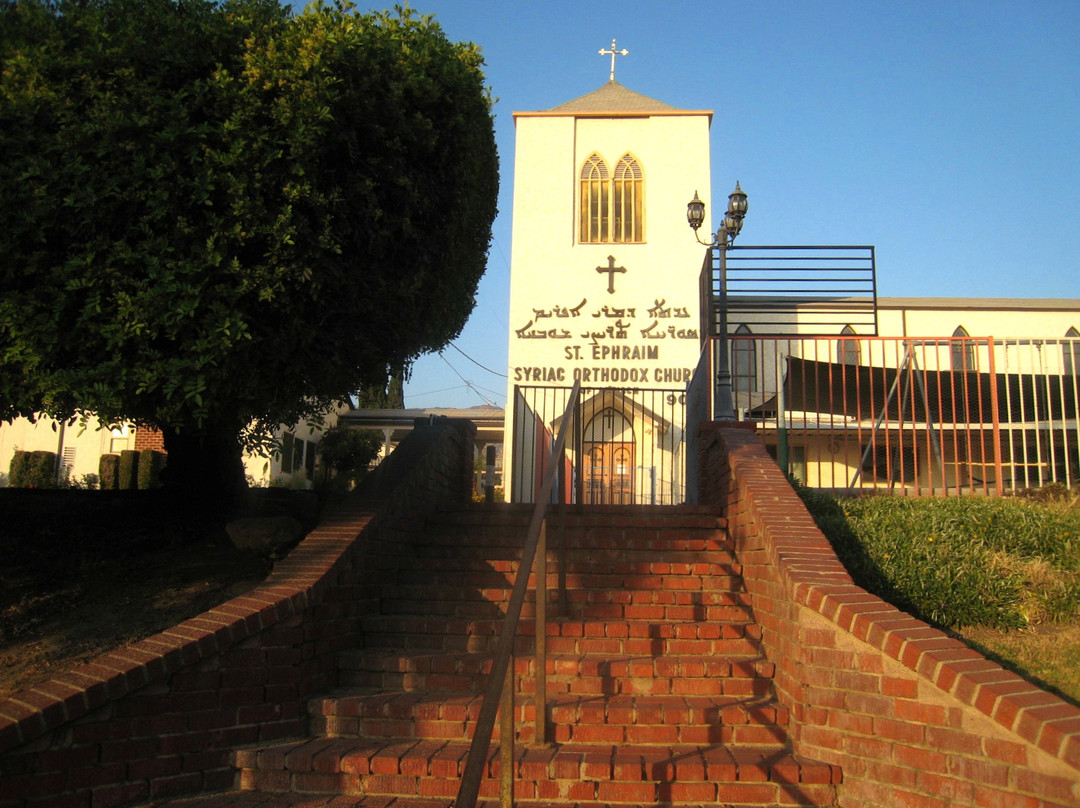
[614, 99]
[375, 414]
[488, 419]
[998, 303]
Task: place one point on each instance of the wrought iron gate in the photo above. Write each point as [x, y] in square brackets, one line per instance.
[627, 445]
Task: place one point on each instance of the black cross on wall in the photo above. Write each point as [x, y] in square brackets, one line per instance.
[611, 269]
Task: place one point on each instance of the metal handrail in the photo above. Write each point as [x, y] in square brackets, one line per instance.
[500, 682]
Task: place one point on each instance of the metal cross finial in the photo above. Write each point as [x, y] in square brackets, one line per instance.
[613, 53]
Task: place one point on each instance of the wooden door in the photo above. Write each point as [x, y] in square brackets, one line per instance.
[608, 473]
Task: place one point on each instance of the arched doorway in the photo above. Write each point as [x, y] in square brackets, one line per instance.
[608, 471]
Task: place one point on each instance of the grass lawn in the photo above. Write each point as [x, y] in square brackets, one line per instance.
[1002, 573]
[1048, 655]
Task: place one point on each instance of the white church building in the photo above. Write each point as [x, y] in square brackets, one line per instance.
[604, 290]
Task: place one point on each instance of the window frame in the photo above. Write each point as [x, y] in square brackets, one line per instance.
[962, 351]
[611, 204]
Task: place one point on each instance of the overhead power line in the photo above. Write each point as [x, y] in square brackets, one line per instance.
[468, 384]
[489, 370]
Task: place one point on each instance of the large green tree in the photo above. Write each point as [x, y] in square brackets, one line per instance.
[220, 217]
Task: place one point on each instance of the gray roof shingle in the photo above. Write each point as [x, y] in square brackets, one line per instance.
[613, 97]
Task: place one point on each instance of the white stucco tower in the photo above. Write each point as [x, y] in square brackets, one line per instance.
[604, 269]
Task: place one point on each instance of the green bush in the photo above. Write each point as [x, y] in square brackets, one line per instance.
[959, 561]
[109, 472]
[33, 470]
[19, 469]
[87, 482]
[129, 470]
[348, 452]
[151, 462]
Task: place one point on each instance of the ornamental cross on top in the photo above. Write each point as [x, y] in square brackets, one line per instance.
[613, 53]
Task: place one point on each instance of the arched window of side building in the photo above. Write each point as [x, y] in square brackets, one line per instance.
[847, 350]
[744, 361]
[1070, 351]
[962, 350]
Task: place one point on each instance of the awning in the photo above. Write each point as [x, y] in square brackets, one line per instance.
[862, 392]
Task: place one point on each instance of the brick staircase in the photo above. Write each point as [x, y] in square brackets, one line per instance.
[657, 692]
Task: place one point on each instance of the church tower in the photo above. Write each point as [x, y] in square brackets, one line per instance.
[604, 273]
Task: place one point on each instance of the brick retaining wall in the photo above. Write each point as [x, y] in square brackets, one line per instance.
[914, 717]
[161, 717]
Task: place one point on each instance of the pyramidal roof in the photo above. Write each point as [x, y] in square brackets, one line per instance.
[613, 97]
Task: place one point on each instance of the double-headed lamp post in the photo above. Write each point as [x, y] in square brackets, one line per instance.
[723, 405]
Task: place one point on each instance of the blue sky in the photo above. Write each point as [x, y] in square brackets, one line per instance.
[946, 134]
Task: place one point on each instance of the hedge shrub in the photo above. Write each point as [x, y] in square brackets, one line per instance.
[19, 470]
[42, 469]
[32, 470]
[129, 470]
[151, 462]
[109, 472]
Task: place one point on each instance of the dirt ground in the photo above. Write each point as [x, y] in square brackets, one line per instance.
[81, 578]
[101, 606]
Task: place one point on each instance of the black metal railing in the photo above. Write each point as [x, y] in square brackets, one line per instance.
[773, 290]
[499, 695]
[699, 409]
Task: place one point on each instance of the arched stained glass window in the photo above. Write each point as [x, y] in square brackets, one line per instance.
[628, 200]
[612, 206]
[595, 193]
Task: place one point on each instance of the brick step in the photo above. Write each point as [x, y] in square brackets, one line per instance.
[476, 579]
[581, 516]
[261, 799]
[625, 532]
[578, 609]
[636, 676]
[631, 539]
[607, 774]
[747, 676]
[431, 548]
[606, 647]
[725, 578]
[397, 670]
[425, 593]
[601, 647]
[718, 564]
[675, 720]
[574, 718]
[404, 625]
[730, 580]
